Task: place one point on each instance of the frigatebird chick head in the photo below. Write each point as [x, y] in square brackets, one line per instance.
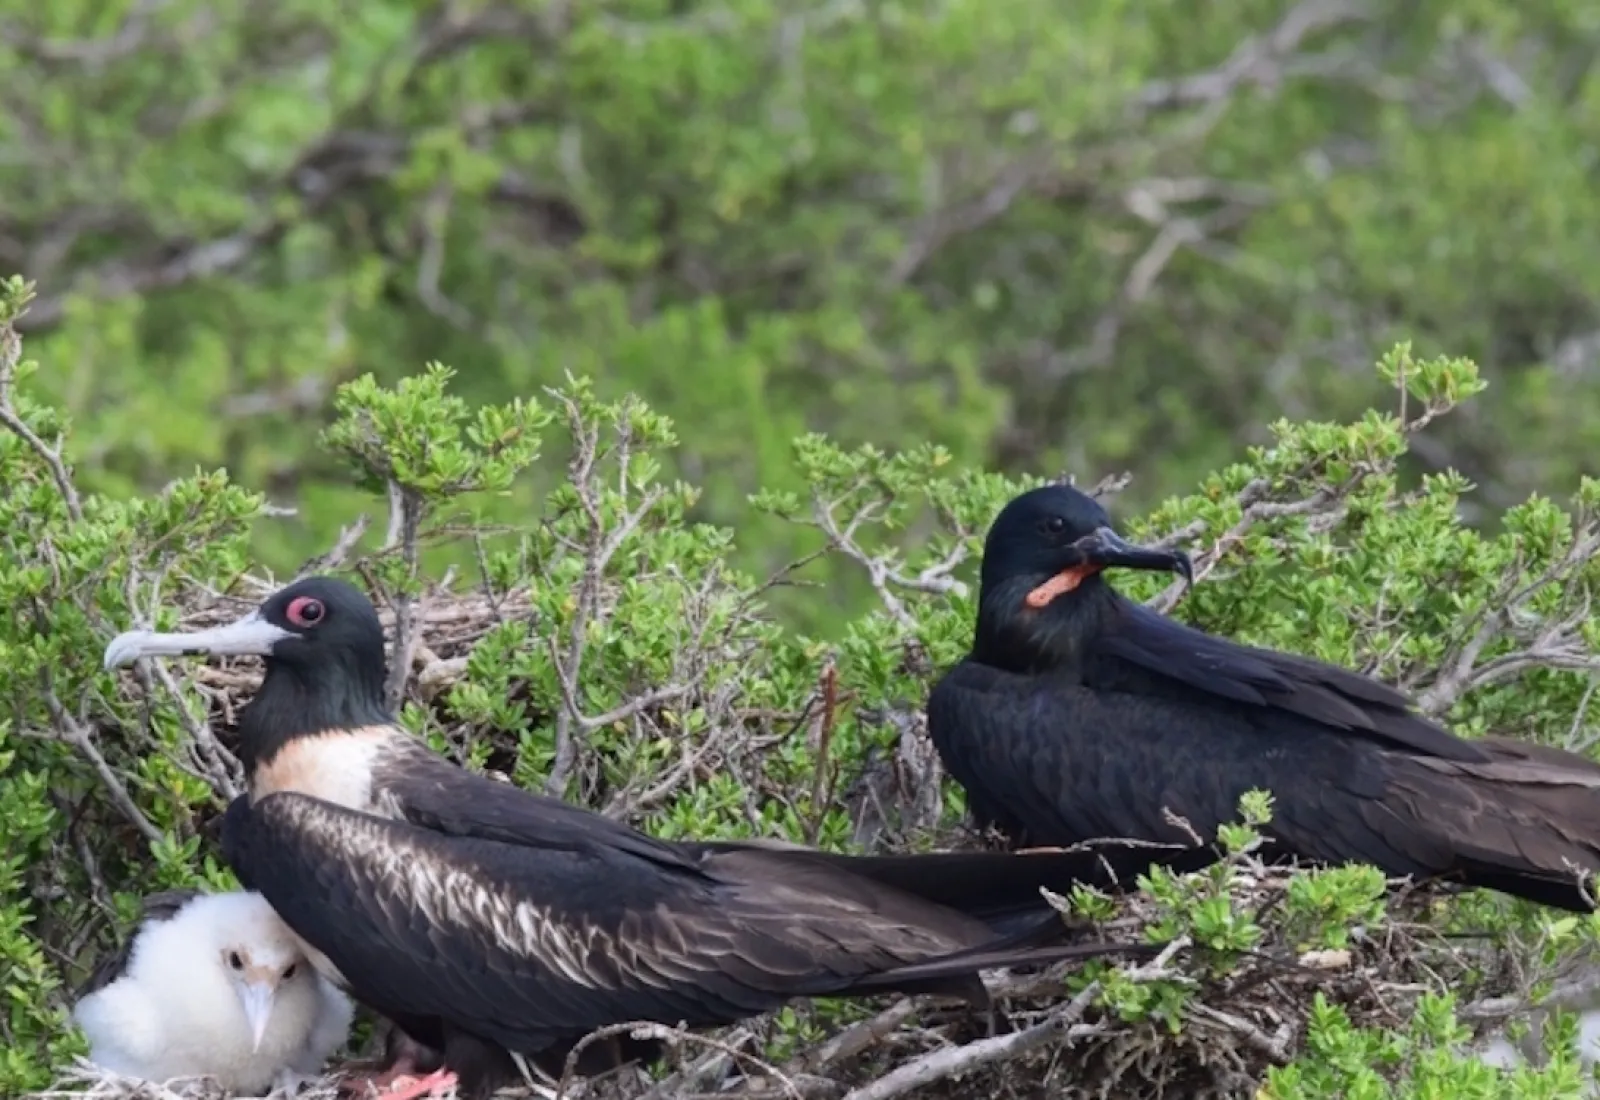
[323, 646]
[1048, 542]
[258, 957]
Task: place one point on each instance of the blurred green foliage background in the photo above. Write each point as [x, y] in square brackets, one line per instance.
[1090, 237]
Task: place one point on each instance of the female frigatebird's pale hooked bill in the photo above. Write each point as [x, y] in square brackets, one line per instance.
[212, 985]
[1080, 714]
[485, 920]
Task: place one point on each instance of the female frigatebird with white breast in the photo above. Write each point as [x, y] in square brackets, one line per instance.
[1080, 714]
[486, 920]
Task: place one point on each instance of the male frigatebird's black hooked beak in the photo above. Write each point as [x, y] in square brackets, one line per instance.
[1101, 549]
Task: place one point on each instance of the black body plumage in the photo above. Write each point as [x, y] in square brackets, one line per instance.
[1079, 714]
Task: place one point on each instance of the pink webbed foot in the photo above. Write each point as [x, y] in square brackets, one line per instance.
[365, 1084]
[405, 1087]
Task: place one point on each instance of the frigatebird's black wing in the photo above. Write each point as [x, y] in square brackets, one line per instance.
[1000, 889]
[527, 946]
[1052, 762]
[437, 795]
[1055, 762]
[1142, 652]
[407, 781]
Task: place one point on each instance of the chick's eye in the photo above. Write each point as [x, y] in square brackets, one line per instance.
[235, 961]
[289, 971]
[305, 611]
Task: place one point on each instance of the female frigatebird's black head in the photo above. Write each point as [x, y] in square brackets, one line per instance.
[323, 646]
[1046, 544]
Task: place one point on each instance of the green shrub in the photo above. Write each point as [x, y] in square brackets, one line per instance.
[604, 649]
[1113, 236]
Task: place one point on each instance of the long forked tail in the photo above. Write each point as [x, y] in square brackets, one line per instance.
[992, 957]
[1004, 886]
[957, 974]
[1001, 889]
[1526, 823]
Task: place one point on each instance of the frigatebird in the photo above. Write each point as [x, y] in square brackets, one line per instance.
[212, 985]
[1079, 713]
[486, 920]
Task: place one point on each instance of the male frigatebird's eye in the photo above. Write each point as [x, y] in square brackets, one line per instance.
[1054, 525]
[305, 611]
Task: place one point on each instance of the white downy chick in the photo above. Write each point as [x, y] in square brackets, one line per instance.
[213, 985]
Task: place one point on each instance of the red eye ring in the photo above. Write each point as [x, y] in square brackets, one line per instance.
[305, 611]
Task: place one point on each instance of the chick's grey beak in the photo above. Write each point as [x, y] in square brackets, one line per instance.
[256, 997]
[249, 636]
[1106, 548]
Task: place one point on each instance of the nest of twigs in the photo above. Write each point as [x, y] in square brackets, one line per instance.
[85, 1081]
[1053, 1041]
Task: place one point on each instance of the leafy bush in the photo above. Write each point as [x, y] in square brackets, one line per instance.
[606, 650]
[1111, 236]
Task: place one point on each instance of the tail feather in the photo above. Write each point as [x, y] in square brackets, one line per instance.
[992, 957]
[995, 886]
[1526, 823]
[956, 975]
[1001, 889]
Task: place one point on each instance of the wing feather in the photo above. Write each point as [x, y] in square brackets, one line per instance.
[1084, 763]
[527, 946]
[439, 796]
[474, 930]
[1520, 821]
[1167, 652]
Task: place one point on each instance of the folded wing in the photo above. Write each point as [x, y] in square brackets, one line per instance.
[1162, 649]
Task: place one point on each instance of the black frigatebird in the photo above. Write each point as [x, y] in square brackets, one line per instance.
[484, 919]
[1079, 713]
